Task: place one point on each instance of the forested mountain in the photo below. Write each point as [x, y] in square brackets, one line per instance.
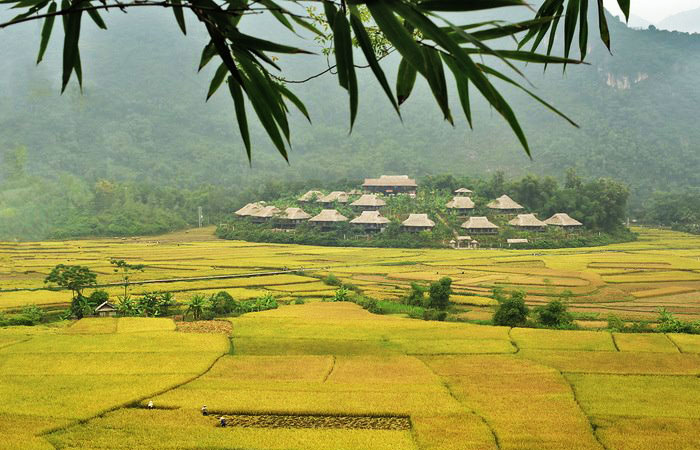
[142, 120]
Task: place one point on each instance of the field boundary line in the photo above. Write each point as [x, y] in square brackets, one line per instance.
[129, 403]
[446, 385]
[680, 350]
[513, 342]
[330, 369]
[15, 343]
[614, 341]
[592, 426]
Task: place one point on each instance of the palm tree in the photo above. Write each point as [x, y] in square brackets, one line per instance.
[196, 306]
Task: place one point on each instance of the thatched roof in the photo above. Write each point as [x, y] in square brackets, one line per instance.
[370, 218]
[418, 220]
[105, 307]
[390, 180]
[464, 191]
[517, 241]
[563, 220]
[310, 195]
[355, 192]
[328, 215]
[527, 221]
[335, 196]
[479, 223]
[294, 214]
[267, 212]
[369, 200]
[504, 202]
[460, 203]
[250, 209]
[464, 238]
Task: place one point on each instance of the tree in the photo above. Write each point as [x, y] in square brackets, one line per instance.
[439, 293]
[512, 311]
[424, 37]
[125, 268]
[75, 278]
[554, 314]
[196, 306]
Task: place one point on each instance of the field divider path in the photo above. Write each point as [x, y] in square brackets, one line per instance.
[578, 403]
[513, 342]
[614, 341]
[330, 369]
[674, 343]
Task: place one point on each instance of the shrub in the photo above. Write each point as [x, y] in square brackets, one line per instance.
[263, 303]
[615, 323]
[98, 297]
[554, 314]
[416, 297]
[33, 314]
[299, 301]
[512, 311]
[222, 303]
[439, 293]
[331, 280]
[434, 314]
[341, 295]
[668, 323]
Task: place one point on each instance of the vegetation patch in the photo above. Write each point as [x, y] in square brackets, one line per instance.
[320, 421]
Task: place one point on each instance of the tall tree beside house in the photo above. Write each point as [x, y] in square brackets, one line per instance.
[75, 278]
[126, 269]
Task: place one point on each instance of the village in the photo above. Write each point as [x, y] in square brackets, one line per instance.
[367, 206]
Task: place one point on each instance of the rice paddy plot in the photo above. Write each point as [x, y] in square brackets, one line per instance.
[529, 338]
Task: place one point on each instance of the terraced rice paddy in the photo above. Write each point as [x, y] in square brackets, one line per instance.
[630, 280]
[333, 376]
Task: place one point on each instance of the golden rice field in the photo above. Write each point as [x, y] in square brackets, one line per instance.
[631, 280]
[86, 384]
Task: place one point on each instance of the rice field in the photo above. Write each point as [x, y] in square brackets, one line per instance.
[323, 368]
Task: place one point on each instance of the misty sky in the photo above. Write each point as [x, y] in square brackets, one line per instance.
[654, 10]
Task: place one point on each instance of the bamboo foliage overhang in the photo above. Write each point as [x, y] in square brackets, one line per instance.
[429, 44]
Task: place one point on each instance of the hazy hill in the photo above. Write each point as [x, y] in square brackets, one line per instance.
[142, 115]
[686, 21]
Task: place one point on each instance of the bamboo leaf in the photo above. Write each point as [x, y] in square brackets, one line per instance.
[405, 80]
[239, 105]
[470, 5]
[625, 7]
[435, 76]
[462, 87]
[46, 32]
[295, 100]
[208, 53]
[344, 60]
[572, 9]
[216, 81]
[583, 29]
[603, 25]
[95, 16]
[179, 15]
[70, 45]
[397, 34]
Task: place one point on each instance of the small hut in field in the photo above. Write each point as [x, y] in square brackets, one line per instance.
[391, 185]
[463, 242]
[310, 196]
[370, 221]
[291, 217]
[106, 309]
[461, 205]
[463, 191]
[564, 221]
[327, 219]
[250, 209]
[335, 196]
[480, 225]
[417, 222]
[505, 205]
[368, 202]
[528, 222]
[265, 214]
[516, 242]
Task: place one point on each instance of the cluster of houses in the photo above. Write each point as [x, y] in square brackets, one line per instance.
[370, 218]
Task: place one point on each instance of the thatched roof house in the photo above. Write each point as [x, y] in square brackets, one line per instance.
[505, 204]
[335, 196]
[480, 225]
[418, 222]
[327, 218]
[371, 221]
[310, 196]
[368, 202]
[250, 209]
[391, 184]
[563, 220]
[292, 217]
[264, 214]
[528, 222]
[463, 191]
[512, 242]
[461, 204]
[354, 192]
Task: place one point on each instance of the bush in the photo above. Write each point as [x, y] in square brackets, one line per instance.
[98, 297]
[341, 295]
[512, 312]
[263, 303]
[416, 297]
[554, 314]
[299, 301]
[434, 314]
[668, 323]
[33, 314]
[222, 303]
[439, 294]
[331, 280]
[615, 323]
